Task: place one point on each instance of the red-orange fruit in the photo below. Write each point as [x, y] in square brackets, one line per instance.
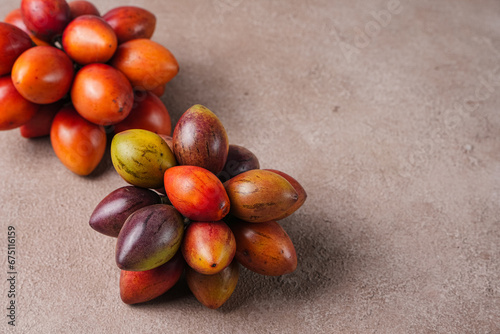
[298, 188]
[15, 18]
[102, 94]
[145, 63]
[15, 110]
[258, 195]
[13, 42]
[82, 7]
[264, 248]
[39, 125]
[78, 143]
[208, 247]
[89, 39]
[43, 74]
[158, 91]
[213, 290]
[142, 286]
[148, 113]
[196, 193]
[130, 22]
[45, 19]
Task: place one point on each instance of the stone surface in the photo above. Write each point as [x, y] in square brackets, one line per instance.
[386, 111]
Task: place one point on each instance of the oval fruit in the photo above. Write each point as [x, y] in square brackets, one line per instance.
[239, 160]
[102, 94]
[264, 248]
[149, 238]
[141, 157]
[39, 125]
[145, 63]
[298, 188]
[258, 195]
[142, 286]
[13, 42]
[208, 247]
[45, 19]
[82, 7]
[148, 113]
[43, 74]
[213, 290]
[15, 18]
[111, 213]
[15, 110]
[130, 22]
[200, 139]
[78, 144]
[196, 193]
[89, 39]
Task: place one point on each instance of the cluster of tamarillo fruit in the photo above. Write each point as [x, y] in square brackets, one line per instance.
[196, 204]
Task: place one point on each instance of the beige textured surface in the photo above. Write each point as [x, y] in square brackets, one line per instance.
[393, 129]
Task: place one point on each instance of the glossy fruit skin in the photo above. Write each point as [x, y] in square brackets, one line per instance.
[40, 124]
[200, 139]
[213, 290]
[89, 39]
[13, 42]
[142, 286]
[78, 143]
[111, 213]
[239, 160]
[298, 188]
[148, 113]
[264, 248]
[159, 91]
[145, 63]
[82, 7]
[15, 110]
[130, 22]
[45, 19]
[102, 94]
[141, 157]
[196, 193]
[43, 74]
[258, 195]
[15, 18]
[208, 247]
[149, 238]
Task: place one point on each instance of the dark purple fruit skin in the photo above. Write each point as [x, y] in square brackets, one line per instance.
[149, 238]
[239, 160]
[112, 212]
[199, 139]
[45, 19]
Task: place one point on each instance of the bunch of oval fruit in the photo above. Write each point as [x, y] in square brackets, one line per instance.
[68, 72]
[195, 204]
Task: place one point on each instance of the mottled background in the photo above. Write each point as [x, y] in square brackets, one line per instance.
[386, 111]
